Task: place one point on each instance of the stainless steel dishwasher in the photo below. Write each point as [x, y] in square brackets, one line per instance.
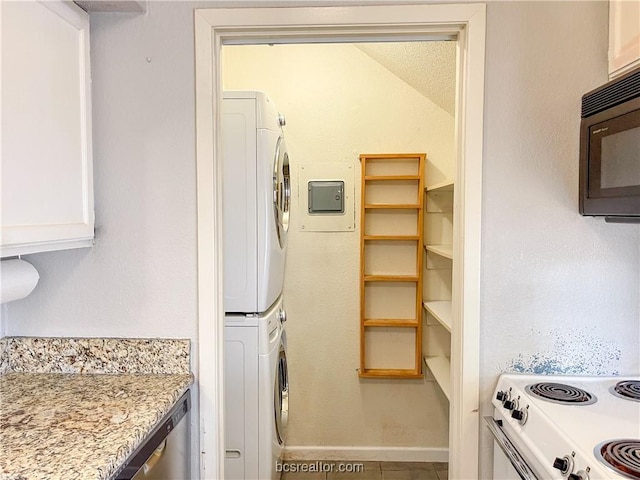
[164, 454]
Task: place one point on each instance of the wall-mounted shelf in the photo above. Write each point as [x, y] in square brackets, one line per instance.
[391, 278]
[378, 178]
[440, 368]
[445, 251]
[438, 285]
[391, 237]
[392, 206]
[441, 311]
[391, 254]
[389, 373]
[390, 322]
[447, 185]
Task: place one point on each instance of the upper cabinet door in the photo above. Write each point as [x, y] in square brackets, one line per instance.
[46, 176]
[624, 36]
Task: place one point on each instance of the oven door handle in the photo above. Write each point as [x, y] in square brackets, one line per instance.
[509, 449]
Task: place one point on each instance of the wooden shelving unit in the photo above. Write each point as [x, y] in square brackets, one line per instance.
[391, 255]
[438, 269]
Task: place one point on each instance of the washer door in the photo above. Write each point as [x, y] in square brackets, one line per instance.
[281, 190]
[281, 397]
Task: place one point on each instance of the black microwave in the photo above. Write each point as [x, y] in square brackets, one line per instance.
[610, 150]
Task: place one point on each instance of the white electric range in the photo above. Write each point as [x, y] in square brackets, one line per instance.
[557, 427]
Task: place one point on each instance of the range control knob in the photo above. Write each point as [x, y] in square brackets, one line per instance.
[579, 475]
[509, 404]
[564, 464]
[501, 396]
[561, 464]
[520, 415]
[582, 474]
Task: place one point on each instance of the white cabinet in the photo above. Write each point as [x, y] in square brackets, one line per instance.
[46, 178]
[624, 36]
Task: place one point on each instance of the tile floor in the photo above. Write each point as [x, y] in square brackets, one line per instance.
[372, 471]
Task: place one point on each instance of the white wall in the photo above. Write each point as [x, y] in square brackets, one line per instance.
[139, 279]
[545, 268]
[559, 291]
[339, 103]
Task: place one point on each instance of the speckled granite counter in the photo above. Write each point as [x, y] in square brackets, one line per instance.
[83, 425]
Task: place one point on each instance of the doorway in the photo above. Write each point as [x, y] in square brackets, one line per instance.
[217, 27]
[340, 100]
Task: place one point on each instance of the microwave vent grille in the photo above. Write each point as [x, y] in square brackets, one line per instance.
[611, 94]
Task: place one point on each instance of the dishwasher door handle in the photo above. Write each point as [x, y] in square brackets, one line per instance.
[515, 457]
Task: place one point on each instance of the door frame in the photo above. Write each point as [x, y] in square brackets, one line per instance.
[217, 26]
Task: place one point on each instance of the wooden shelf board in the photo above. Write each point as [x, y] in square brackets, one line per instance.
[389, 373]
[392, 206]
[391, 237]
[389, 156]
[440, 367]
[376, 178]
[391, 278]
[441, 311]
[445, 186]
[442, 250]
[390, 322]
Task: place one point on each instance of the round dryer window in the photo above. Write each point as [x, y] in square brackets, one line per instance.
[281, 190]
[281, 397]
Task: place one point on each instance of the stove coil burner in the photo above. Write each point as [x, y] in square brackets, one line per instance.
[561, 393]
[621, 456]
[627, 389]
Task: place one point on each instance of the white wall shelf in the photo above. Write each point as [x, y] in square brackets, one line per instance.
[440, 368]
[438, 284]
[446, 186]
[441, 311]
[442, 250]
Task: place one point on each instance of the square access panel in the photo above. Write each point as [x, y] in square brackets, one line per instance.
[326, 197]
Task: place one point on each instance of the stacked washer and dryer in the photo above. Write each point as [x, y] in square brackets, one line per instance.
[257, 194]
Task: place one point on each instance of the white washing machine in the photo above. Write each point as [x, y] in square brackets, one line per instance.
[256, 394]
[257, 192]
[256, 197]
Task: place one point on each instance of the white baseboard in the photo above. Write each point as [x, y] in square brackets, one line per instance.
[367, 454]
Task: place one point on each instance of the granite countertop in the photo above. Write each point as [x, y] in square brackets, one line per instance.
[77, 408]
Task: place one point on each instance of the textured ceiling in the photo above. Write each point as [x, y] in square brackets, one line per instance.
[429, 67]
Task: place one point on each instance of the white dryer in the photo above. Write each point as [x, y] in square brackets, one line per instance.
[256, 394]
[257, 192]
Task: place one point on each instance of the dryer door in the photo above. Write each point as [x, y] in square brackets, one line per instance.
[281, 190]
[281, 396]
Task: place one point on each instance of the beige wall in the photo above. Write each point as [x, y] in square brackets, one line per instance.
[339, 103]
